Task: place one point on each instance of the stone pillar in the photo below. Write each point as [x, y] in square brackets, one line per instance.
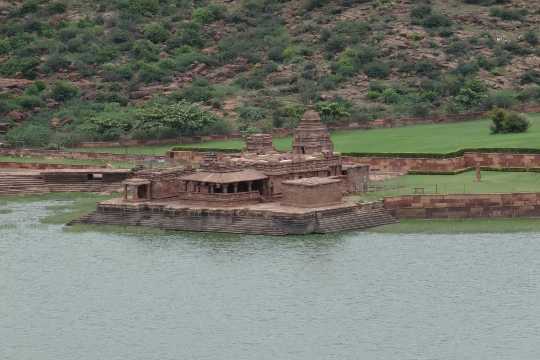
[225, 188]
[235, 188]
[249, 185]
[125, 192]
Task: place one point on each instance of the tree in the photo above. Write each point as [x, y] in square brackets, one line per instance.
[181, 118]
[504, 122]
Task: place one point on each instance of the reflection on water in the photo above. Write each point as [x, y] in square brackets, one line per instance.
[95, 295]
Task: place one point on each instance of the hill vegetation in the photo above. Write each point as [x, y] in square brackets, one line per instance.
[73, 70]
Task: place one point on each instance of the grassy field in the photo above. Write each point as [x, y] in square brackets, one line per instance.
[492, 182]
[433, 138]
[467, 226]
[44, 160]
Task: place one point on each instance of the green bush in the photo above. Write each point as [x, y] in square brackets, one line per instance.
[531, 37]
[30, 101]
[377, 69]
[208, 14]
[503, 99]
[508, 14]
[63, 91]
[151, 73]
[56, 8]
[189, 34]
[504, 122]
[199, 91]
[143, 7]
[145, 50]
[156, 33]
[530, 77]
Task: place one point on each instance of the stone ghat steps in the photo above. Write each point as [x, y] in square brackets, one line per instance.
[236, 225]
[12, 184]
[322, 222]
[355, 220]
[87, 186]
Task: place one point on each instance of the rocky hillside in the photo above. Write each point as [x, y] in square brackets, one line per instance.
[73, 70]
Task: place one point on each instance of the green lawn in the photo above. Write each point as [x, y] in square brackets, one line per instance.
[45, 160]
[492, 182]
[436, 138]
[466, 226]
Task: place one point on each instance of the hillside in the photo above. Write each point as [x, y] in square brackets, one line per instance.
[74, 70]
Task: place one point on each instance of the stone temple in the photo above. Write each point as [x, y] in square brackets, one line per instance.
[256, 191]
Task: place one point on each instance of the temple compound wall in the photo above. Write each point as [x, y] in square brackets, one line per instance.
[468, 160]
[464, 206]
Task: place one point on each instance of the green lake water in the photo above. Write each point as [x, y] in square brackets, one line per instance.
[92, 295]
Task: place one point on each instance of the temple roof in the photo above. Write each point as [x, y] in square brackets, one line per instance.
[225, 177]
[312, 181]
[136, 181]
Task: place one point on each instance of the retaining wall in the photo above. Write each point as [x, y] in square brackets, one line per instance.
[466, 161]
[464, 206]
[243, 221]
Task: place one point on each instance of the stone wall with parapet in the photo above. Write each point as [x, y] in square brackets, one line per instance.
[466, 161]
[464, 206]
[405, 164]
[79, 155]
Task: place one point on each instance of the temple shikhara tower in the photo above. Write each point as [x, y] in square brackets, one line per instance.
[311, 136]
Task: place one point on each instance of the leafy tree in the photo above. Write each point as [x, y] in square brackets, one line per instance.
[472, 93]
[32, 134]
[332, 111]
[182, 118]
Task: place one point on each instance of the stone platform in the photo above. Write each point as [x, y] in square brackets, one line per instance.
[260, 219]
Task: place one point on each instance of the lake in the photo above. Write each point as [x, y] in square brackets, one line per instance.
[68, 295]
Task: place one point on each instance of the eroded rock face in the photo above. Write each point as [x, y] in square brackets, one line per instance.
[6, 83]
[16, 116]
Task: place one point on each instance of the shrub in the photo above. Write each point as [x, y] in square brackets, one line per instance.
[63, 91]
[503, 99]
[146, 50]
[377, 70]
[143, 7]
[56, 8]
[504, 122]
[190, 34]
[531, 37]
[150, 72]
[508, 14]
[208, 14]
[530, 77]
[56, 62]
[199, 91]
[30, 101]
[436, 20]
[156, 33]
